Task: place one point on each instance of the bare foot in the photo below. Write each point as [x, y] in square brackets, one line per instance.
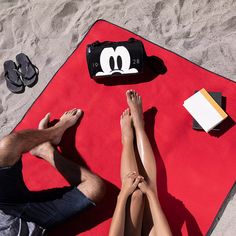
[126, 126]
[68, 119]
[44, 150]
[134, 101]
[43, 124]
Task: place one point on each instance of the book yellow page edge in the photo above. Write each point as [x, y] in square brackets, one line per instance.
[213, 103]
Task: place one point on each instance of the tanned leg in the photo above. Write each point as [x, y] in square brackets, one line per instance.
[145, 152]
[91, 185]
[14, 145]
[135, 204]
[128, 160]
[144, 147]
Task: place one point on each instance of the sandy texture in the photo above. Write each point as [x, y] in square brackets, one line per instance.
[226, 225]
[48, 31]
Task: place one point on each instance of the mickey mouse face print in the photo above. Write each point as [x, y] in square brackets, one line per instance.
[115, 61]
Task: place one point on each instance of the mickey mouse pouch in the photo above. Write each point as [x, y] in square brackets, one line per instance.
[107, 59]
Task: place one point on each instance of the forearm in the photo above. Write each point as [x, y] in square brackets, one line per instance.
[118, 220]
[161, 226]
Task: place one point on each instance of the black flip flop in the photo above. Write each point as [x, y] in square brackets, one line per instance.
[12, 75]
[29, 72]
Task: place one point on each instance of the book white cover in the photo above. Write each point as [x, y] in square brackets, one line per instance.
[205, 110]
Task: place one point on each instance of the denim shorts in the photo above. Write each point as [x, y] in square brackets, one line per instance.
[45, 208]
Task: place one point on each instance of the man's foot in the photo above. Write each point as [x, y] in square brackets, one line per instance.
[68, 119]
[134, 101]
[45, 150]
[43, 124]
[126, 126]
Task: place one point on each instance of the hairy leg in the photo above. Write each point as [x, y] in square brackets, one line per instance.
[88, 183]
[14, 145]
[91, 185]
[135, 206]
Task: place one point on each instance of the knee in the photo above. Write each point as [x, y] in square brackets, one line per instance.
[100, 189]
[7, 143]
[95, 188]
[8, 147]
[137, 196]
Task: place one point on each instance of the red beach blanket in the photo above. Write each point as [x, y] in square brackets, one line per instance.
[195, 170]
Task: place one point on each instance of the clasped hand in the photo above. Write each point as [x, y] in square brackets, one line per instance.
[133, 181]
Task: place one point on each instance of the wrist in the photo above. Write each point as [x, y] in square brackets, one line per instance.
[151, 193]
[122, 195]
[153, 197]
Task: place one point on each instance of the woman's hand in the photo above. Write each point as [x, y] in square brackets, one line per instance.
[144, 187]
[130, 183]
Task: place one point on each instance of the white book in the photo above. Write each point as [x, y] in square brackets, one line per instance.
[205, 110]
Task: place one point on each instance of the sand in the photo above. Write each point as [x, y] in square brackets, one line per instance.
[226, 226]
[48, 31]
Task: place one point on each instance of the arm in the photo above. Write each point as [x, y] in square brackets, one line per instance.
[161, 226]
[118, 220]
[129, 184]
[160, 223]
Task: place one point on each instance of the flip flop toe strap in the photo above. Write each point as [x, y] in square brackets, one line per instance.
[27, 69]
[12, 81]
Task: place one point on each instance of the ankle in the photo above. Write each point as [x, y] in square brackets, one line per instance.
[49, 156]
[55, 131]
[139, 128]
[127, 141]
